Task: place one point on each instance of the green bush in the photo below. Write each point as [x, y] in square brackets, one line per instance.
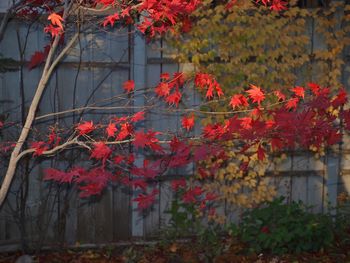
[285, 228]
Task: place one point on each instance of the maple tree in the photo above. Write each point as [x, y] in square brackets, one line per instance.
[306, 117]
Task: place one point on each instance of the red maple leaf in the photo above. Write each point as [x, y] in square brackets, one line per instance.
[129, 85]
[278, 5]
[179, 183]
[53, 138]
[299, 91]
[148, 170]
[60, 176]
[292, 103]
[138, 116]
[276, 144]
[188, 122]
[141, 139]
[256, 94]
[210, 196]
[53, 30]
[246, 122]
[85, 127]
[218, 90]
[39, 147]
[165, 76]
[118, 159]
[101, 151]
[340, 99]
[56, 20]
[280, 95]
[261, 153]
[111, 130]
[186, 25]
[162, 89]
[210, 92]
[37, 59]
[174, 98]
[111, 19]
[190, 196]
[315, 88]
[147, 139]
[238, 100]
[146, 200]
[126, 129]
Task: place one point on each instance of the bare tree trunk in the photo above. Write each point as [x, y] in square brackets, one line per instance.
[47, 72]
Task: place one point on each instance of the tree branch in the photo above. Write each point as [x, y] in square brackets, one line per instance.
[50, 65]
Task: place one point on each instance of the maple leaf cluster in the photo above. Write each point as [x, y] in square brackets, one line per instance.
[303, 117]
[275, 5]
[170, 88]
[158, 16]
[206, 81]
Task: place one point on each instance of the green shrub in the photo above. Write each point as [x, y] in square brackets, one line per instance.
[285, 228]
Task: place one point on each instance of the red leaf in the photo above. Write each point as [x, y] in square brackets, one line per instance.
[126, 129]
[146, 139]
[37, 58]
[238, 100]
[39, 147]
[210, 197]
[118, 159]
[176, 184]
[219, 91]
[54, 31]
[276, 144]
[60, 176]
[246, 122]
[186, 25]
[340, 99]
[299, 91]
[111, 130]
[256, 94]
[314, 88]
[191, 195]
[100, 151]
[334, 137]
[129, 85]
[146, 200]
[85, 127]
[292, 103]
[162, 89]
[257, 112]
[148, 170]
[278, 5]
[165, 76]
[110, 19]
[188, 122]
[261, 153]
[174, 98]
[56, 20]
[280, 95]
[139, 116]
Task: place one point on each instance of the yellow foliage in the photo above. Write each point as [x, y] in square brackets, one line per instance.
[247, 45]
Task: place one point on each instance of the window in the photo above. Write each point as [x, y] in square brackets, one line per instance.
[313, 3]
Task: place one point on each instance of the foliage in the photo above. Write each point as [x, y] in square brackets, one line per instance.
[243, 45]
[184, 219]
[285, 228]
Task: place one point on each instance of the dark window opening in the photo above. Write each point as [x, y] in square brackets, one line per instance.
[313, 3]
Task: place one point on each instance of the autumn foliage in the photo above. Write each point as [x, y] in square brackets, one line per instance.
[259, 124]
